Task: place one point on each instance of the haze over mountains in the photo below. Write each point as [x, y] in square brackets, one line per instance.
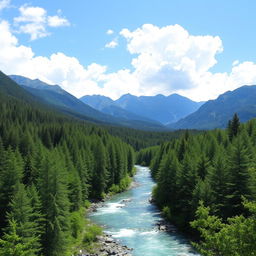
[164, 109]
[146, 112]
[61, 100]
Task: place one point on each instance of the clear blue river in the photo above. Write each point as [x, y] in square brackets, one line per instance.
[130, 218]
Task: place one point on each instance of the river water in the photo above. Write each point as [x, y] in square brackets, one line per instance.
[130, 218]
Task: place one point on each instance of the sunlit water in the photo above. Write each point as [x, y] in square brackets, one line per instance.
[133, 222]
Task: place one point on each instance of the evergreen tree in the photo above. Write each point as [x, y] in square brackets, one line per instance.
[10, 176]
[55, 205]
[187, 181]
[12, 244]
[233, 126]
[203, 166]
[75, 191]
[37, 217]
[238, 178]
[218, 183]
[30, 173]
[100, 170]
[21, 212]
[166, 192]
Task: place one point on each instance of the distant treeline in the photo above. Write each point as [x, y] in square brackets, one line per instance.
[207, 182]
[139, 139]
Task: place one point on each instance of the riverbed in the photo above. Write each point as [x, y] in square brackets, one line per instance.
[130, 218]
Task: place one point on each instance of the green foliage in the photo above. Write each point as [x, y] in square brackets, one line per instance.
[236, 237]
[167, 212]
[13, 244]
[27, 224]
[216, 167]
[77, 223]
[233, 126]
[51, 166]
[91, 232]
[124, 184]
[10, 176]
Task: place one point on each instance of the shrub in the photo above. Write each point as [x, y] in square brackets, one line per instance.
[166, 212]
[91, 232]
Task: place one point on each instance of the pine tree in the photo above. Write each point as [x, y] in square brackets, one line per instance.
[12, 244]
[187, 181]
[74, 191]
[100, 170]
[84, 176]
[21, 212]
[30, 173]
[238, 178]
[218, 183]
[203, 166]
[166, 193]
[55, 205]
[130, 160]
[233, 127]
[10, 176]
[202, 192]
[37, 217]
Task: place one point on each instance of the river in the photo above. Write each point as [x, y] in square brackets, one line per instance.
[130, 218]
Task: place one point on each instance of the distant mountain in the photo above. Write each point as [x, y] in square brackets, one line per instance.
[36, 83]
[98, 102]
[216, 113]
[163, 109]
[108, 106]
[55, 96]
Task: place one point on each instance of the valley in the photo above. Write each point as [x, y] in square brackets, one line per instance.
[127, 128]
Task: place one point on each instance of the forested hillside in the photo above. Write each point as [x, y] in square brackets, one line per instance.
[50, 166]
[210, 178]
[216, 113]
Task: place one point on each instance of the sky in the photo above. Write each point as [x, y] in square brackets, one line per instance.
[197, 48]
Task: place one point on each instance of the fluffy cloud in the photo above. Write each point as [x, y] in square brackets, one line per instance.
[62, 69]
[169, 58]
[112, 44]
[165, 60]
[56, 21]
[34, 21]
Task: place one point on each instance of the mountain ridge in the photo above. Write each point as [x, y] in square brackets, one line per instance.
[69, 104]
[216, 113]
[163, 109]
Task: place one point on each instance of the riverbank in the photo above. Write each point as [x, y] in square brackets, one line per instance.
[105, 244]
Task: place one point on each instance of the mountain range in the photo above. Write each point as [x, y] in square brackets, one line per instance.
[61, 100]
[160, 108]
[145, 112]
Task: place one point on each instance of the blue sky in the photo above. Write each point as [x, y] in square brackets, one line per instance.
[74, 45]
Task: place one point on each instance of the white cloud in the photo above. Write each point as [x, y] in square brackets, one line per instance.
[4, 4]
[165, 60]
[34, 21]
[236, 62]
[56, 21]
[110, 32]
[31, 14]
[169, 58]
[112, 44]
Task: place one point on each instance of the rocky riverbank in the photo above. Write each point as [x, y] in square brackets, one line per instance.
[106, 244]
[113, 247]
